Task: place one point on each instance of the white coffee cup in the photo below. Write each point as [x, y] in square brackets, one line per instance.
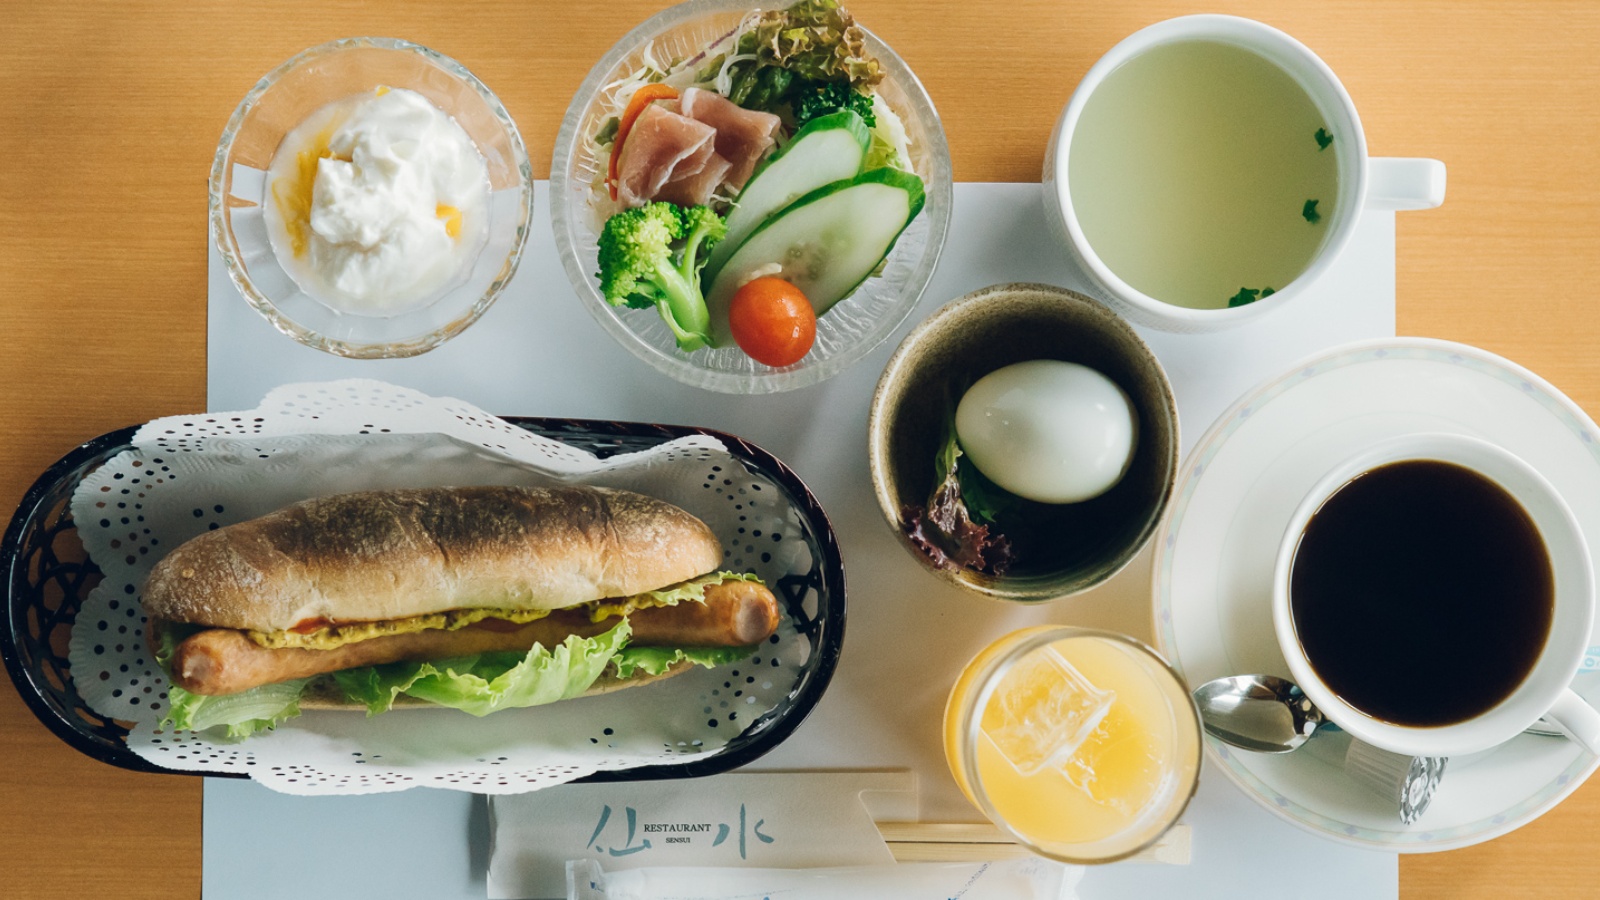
[1364, 182]
[1546, 690]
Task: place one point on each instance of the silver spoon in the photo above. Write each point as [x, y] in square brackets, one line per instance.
[1263, 713]
[1269, 714]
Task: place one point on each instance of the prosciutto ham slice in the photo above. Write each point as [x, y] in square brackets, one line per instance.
[743, 135]
[695, 189]
[682, 152]
[662, 147]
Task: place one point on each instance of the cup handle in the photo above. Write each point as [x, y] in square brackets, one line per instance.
[1395, 182]
[1580, 721]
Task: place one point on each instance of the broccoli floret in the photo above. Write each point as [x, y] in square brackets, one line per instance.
[810, 99]
[652, 255]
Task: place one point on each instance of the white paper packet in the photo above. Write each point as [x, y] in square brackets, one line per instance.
[1016, 879]
[190, 473]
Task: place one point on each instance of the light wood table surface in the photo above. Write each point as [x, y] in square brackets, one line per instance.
[110, 113]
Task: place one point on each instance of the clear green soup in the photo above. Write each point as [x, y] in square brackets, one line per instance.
[1202, 173]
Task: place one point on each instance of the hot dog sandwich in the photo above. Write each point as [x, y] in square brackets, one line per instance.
[476, 598]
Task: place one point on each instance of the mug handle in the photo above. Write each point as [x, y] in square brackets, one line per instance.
[1397, 182]
[1577, 719]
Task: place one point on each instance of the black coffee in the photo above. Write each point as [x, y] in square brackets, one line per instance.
[1422, 593]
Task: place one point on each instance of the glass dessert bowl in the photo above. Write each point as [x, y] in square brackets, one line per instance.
[293, 183]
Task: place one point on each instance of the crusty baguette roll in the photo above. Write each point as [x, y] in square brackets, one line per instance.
[375, 556]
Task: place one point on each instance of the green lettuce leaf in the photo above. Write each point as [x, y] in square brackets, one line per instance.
[956, 526]
[813, 39]
[487, 682]
[694, 590]
[235, 717]
[655, 660]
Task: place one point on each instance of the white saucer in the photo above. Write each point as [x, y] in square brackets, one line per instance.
[1214, 558]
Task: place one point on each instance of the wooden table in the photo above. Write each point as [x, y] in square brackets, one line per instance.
[110, 112]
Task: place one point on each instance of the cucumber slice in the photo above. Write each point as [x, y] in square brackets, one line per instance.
[829, 148]
[825, 243]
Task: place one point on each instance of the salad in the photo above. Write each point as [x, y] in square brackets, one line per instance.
[754, 184]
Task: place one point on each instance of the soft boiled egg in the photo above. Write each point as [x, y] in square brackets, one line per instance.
[1047, 430]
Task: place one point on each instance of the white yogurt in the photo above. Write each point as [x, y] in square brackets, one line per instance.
[377, 202]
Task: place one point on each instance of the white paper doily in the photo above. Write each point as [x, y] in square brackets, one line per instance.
[187, 474]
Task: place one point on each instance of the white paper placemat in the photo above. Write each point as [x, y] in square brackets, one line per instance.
[537, 352]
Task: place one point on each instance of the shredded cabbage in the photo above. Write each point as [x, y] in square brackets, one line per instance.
[891, 145]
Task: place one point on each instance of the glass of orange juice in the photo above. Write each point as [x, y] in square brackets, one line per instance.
[1084, 745]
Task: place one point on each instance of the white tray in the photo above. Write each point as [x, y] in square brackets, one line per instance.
[537, 352]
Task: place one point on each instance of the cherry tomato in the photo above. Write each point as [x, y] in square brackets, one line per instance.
[772, 321]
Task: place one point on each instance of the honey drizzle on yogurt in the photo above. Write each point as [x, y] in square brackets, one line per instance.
[294, 198]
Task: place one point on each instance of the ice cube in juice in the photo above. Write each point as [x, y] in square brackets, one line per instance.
[1120, 764]
[1042, 711]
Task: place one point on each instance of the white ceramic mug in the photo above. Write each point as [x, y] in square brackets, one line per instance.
[1546, 690]
[1364, 182]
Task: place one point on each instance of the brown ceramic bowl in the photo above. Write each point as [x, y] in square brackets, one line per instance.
[1069, 548]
